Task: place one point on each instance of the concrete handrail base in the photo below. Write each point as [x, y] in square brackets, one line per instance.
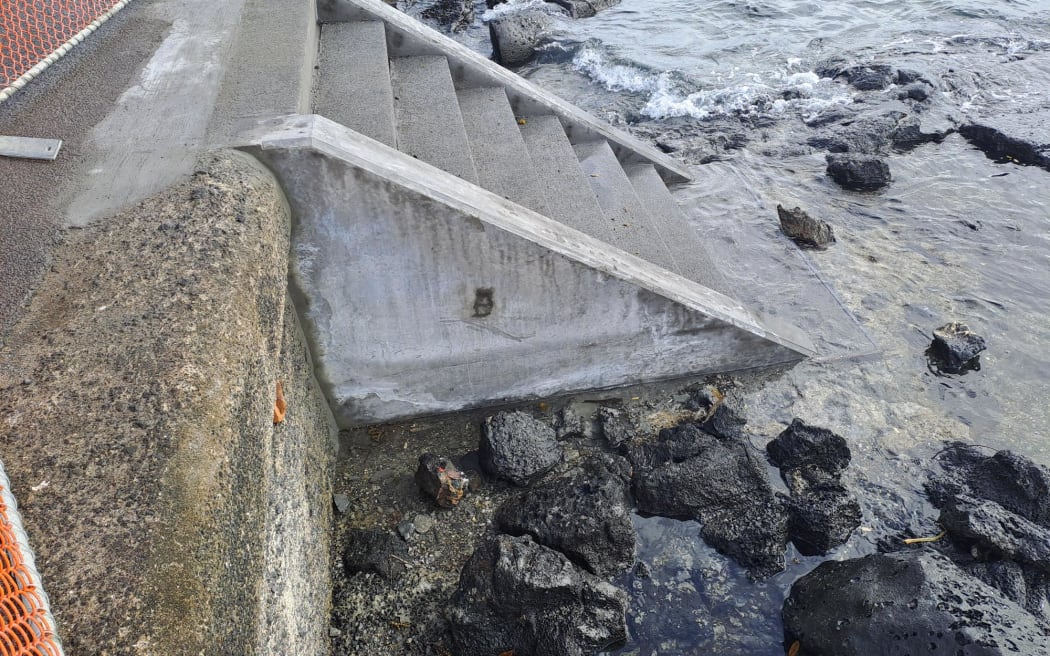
[423, 293]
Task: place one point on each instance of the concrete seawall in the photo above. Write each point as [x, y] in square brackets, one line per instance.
[169, 514]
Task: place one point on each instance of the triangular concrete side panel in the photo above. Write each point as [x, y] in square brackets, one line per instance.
[423, 293]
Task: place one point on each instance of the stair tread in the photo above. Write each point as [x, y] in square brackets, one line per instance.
[427, 115]
[634, 229]
[500, 157]
[686, 246]
[353, 86]
[570, 198]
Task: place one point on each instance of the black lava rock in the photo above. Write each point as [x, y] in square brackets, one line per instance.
[568, 424]
[516, 36]
[801, 445]
[870, 77]
[955, 347]
[617, 427]
[995, 533]
[584, 8]
[374, 551]
[822, 518]
[586, 516]
[858, 172]
[517, 596]
[804, 229]
[905, 603]
[689, 474]
[518, 448]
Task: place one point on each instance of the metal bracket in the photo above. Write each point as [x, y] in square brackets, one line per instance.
[29, 147]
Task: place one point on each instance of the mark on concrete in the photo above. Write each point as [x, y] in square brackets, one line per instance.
[483, 302]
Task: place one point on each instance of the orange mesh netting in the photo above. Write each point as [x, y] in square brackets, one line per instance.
[26, 627]
[33, 33]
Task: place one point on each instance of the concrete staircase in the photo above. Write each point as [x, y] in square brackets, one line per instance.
[380, 76]
[463, 237]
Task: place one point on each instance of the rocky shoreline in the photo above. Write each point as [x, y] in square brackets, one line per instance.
[541, 554]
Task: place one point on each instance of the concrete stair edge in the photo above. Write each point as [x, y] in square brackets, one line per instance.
[353, 79]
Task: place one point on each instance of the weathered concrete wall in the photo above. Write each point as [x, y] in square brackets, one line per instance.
[167, 511]
[425, 294]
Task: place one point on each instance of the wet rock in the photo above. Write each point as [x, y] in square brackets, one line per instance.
[689, 474]
[568, 424]
[518, 448]
[801, 446]
[456, 15]
[858, 172]
[1010, 480]
[995, 533]
[440, 479]
[870, 77]
[516, 36]
[822, 518]
[374, 551]
[955, 347]
[584, 8]
[518, 596]
[913, 602]
[586, 516]
[1019, 138]
[916, 91]
[617, 428]
[724, 423]
[804, 229]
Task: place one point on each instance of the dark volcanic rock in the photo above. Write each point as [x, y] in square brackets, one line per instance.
[905, 603]
[518, 448]
[955, 346]
[804, 229]
[1010, 480]
[822, 518]
[568, 424]
[996, 533]
[801, 445]
[1020, 138]
[584, 8]
[870, 77]
[515, 36]
[858, 172]
[374, 551]
[441, 480]
[586, 516]
[517, 596]
[690, 474]
[456, 15]
[617, 427]
[724, 423]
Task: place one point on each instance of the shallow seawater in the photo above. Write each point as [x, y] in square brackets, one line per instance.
[733, 86]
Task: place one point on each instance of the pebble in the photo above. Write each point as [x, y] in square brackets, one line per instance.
[406, 529]
[342, 502]
[423, 523]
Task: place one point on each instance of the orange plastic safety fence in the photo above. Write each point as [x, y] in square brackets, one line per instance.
[25, 629]
[30, 30]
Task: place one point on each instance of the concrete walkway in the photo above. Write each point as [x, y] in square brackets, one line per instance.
[135, 104]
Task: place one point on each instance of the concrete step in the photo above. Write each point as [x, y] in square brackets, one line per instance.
[426, 110]
[683, 242]
[407, 37]
[353, 85]
[633, 229]
[500, 157]
[570, 198]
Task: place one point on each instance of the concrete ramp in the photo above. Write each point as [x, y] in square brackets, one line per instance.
[424, 293]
